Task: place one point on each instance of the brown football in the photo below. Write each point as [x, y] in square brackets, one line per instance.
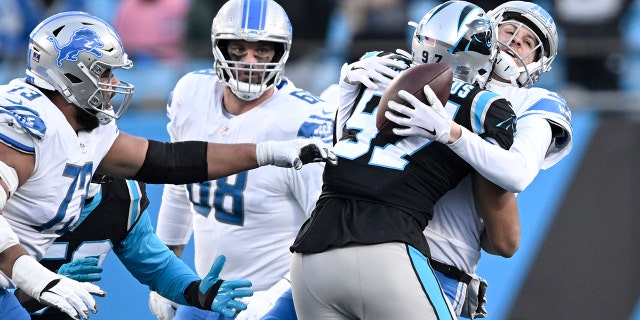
[437, 75]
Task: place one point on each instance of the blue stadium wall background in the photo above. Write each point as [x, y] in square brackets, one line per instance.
[578, 257]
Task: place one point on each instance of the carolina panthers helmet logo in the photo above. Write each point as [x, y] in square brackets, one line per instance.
[82, 40]
[478, 38]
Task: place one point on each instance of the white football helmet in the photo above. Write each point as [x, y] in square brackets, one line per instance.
[539, 22]
[253, 21]
[69, 52]
[459, 34]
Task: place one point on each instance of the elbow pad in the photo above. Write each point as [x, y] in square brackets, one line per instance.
[176, 163]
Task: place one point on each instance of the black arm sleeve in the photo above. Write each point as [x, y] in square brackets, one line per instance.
[177, 163]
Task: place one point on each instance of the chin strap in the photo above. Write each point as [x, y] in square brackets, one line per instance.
[506, 68]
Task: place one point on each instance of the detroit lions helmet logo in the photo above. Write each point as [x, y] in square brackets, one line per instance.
[82, 40]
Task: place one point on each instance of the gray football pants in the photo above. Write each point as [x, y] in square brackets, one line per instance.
[374, 282]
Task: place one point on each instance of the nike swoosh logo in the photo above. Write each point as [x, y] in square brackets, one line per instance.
[432, 132]
[356, 68]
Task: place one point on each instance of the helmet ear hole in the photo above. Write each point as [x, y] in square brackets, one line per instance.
[72, 78]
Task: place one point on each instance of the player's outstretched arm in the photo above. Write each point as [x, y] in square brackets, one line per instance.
[197, 161]
[153, 264]
[519, 165]
[293, 153]
[215, 294]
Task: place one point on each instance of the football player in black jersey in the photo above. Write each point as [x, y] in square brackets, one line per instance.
[115, 217]
[363, 254]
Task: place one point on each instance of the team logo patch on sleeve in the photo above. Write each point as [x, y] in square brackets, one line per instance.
[317, 127]
[23, 119]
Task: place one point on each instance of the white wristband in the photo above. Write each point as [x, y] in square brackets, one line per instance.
[31, 277]
[9, 176]
[8, 238]
[264, 155]
[3, 197]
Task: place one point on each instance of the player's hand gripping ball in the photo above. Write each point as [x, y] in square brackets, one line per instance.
[437, 75]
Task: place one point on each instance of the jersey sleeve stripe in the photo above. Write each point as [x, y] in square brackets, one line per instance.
[134, 208]
[480, 108]
[28, 149]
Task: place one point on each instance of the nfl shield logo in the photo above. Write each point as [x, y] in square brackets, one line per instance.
[35, 56]
[223, 130]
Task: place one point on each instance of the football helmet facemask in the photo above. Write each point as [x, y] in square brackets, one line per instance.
[530, 16]
[251, 21]
[75, 54]
[468, 47]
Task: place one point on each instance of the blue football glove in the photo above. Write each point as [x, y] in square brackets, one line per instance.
[82, 270]
[219, 295]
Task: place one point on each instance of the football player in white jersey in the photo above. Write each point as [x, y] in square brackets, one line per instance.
[528, 42]
[56, 131]
[250, 217]
[114, 217]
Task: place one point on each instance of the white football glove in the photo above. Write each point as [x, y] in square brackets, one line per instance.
[71, 297]
[262, 301]
[161, 307]
[293, 153]
[257, 306]
[429, 121]
[375, 68]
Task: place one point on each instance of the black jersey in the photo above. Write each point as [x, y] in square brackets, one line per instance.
[384, 187]
[107, 220]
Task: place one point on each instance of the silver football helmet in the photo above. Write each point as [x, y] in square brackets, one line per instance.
[538, 21]
[459, 34]
[71, 52]
[253, 21]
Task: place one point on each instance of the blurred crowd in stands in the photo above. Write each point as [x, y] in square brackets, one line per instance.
[599, 47]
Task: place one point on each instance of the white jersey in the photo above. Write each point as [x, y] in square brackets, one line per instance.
[50, 201]
[251, 217]
[454, 232]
